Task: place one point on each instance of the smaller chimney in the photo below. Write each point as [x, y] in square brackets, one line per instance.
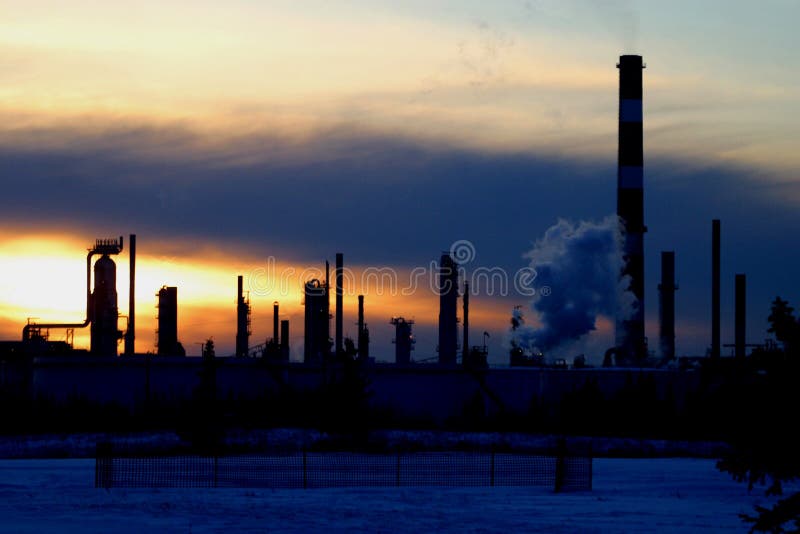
[740, 342]
[324, 352]
[666, 291]
[715, 279]
[465, 352]
[360, 316]
[285, 340]
[167, 333]
[363, 333]
[275, 322]
[339, 304]
[242, 319]
[448, 310]
[130, 335]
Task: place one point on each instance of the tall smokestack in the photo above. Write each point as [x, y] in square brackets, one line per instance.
[242, 319]
[715, 280]
[630, 201]
[275, 322]
[285, 340]
[666, 291]
[339, 303]
[465, 350]
[130, 335]
[740, 342]
[448, 304]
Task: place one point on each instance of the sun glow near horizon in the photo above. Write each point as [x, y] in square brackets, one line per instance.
[45, 281]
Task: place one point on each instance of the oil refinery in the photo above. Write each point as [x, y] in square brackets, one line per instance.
[438, 384]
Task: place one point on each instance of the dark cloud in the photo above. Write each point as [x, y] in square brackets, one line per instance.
[392, 201]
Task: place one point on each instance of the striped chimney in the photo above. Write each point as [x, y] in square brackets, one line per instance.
[630, 202]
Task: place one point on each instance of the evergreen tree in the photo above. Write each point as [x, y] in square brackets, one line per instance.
[783, 324]
[765, 446]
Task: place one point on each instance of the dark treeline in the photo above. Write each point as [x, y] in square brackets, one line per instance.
[734, 397]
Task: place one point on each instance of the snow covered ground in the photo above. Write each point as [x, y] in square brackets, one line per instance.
[630, 495]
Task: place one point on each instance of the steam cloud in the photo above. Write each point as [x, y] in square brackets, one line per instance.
[581, 263]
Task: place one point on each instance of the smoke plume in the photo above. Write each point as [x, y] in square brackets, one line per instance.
[578, 269]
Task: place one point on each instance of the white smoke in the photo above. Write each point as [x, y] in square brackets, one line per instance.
[581, 264]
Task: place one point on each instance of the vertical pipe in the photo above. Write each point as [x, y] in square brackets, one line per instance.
[309, 323]
[465, 349]
[666, 291]
[360, 318]
[130, 335]
[241, 319]
[339, 302]
[363, 334]
[285, 340]
[630, 201]
[89, 301]
[741, 314]
[715, 286]
[325, 346]
[275, 323]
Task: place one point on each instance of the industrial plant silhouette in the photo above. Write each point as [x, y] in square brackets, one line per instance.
[457, 385]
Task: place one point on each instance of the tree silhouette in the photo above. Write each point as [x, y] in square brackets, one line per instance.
[208, 348]
[783, 324]
[765, 444]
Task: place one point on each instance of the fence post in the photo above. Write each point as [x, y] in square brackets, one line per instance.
[561, 452]
[491, 470]
[216, 470]
[398, 469]
[103, 465]
[305, 470]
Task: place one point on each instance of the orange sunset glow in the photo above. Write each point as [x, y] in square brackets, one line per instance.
[206, 294]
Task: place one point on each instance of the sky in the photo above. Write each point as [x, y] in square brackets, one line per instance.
[231, 137]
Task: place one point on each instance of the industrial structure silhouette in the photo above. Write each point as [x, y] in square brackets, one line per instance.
[56, 364]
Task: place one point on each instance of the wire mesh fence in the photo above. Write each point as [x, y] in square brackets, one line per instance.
[306, 469]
